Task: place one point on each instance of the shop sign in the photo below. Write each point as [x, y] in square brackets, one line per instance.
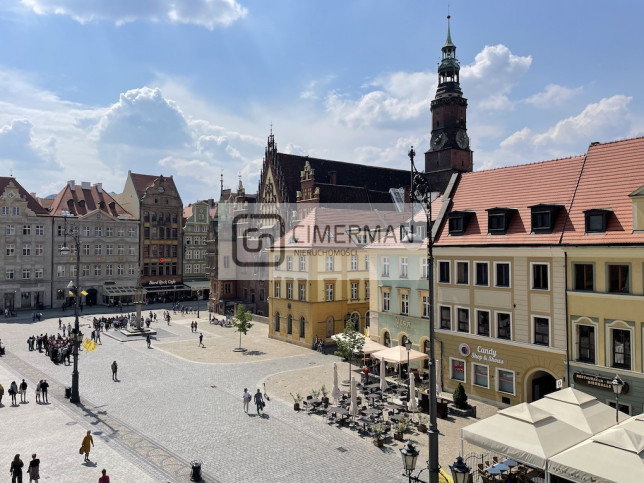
[160, 282]
[403, 324]
[486, 355]
[594, 380]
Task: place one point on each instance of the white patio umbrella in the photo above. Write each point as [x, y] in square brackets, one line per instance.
[383, 380]
[353, 409]
[399, 354]
[412, 393]
[335, 393]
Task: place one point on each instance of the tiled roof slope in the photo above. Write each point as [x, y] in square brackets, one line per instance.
[612, 171]
[518, 187]
[91, 200]
[32, 203]
[143, 181]
[374, 178]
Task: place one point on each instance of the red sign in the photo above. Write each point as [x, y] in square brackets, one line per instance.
[162, 260]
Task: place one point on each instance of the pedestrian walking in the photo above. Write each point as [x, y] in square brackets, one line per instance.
[44, 385]
[115, 368]
[195, 326]
[259, 401]
[105, 478]
[16, 469]
[38, 391]
[201, 340]
[34, 469]
[98, 337]
[85, 445]
[13, 390]
[148, 339]
[1, 393]
[247, 397]
[23, 391]
[60, 323]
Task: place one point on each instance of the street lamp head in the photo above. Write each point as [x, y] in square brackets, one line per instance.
[65, 250]
[409, 455]
[408, 345]
[70, 285]
[460, 471]
[617, 384]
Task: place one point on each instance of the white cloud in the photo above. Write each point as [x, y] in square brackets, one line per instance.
[552, 96]
[206, 13]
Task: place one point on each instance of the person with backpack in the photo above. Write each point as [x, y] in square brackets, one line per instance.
[259, 401]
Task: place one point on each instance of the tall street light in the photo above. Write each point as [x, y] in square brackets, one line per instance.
[72, 232]
[618, 385]
[421, 192]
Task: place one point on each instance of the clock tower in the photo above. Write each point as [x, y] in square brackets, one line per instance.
[450, 145]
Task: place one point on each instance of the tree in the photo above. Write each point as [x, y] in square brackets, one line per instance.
[349, 344]
[241, 322]
[460, 398]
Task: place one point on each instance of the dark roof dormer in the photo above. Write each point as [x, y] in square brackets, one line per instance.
[498, 220]
[543, 217]
[458, 221]
[596, 220]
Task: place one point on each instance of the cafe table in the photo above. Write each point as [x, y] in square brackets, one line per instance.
[492, 471]
[372, 411]
[510, 463]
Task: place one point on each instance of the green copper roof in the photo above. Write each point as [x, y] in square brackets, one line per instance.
[448, 42]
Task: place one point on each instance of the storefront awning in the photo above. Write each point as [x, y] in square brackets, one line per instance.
[118, 290]
[198, 284]
[166, 288]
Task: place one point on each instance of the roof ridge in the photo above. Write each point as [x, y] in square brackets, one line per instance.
[526, 164]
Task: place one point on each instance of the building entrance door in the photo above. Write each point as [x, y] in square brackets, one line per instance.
[330, 327]
[542, 384]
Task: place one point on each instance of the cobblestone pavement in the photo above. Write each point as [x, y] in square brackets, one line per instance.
[177, 402]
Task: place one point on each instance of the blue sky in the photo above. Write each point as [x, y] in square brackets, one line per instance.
[92, 88]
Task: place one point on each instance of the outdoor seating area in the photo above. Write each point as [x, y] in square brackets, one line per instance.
[500, 469]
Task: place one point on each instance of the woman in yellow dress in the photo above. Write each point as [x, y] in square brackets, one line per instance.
[85, 447]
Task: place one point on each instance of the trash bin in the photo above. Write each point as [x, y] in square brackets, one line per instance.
[196, 470]
[68, 392]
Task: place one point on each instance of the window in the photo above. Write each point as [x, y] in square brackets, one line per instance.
[289, 290]
[86, 231]
[596, 220]
[10, 230]
[38, 273]
[85, 249]
[277, 321]
[329, 292]
[446, 318]
[38, 249]
[462, 273]
[302, 327]
[456, 224]
[482, 273]
[329, 264]
[289, 263]
[502, 274]
[120, 250]
[424, 274]
[366, 262]
[386, 300]
[302, 264]
[481, 376]
[9, 274]
[503, 326]
[621, 349]
[443, 272]
[98, 249]
[26, 229]
[385, 266]
[132, 249]
[130, 269]
[228, 288]
[584, 279]
[108, 270]
[457, 369]
[540, 279]
[354, 290]
[97, 270]
[40, 230]
[404, 267]
[367, 291]
[586, 343]
[16, 210]
[498, 220]
[98, 231]
[463, 320]
[120, 270]
[26, 273]
[60, 271]
[618, 280]
[541, 331]
[188, 268]
[109, 249]
[226, 261]
[26, 249]
[289, 324]
[109, 231]
[483, 323]
[131, 232]
[10, 249]
[404, 304]
[302, 291]
[5, 210]
[505, 381]
[86, 270]
[425, 306]
[354, 262]
[277, 289]
[120, 232]
[543, 217]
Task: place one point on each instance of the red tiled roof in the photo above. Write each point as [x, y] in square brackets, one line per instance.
[32, 203]
[82, 201]
[143, 181]
[517, 187]
[612, 171]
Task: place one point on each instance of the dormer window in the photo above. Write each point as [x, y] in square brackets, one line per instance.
[498, 220]
[458, 221]
[596, 220]
[81, 203]
[543, 217]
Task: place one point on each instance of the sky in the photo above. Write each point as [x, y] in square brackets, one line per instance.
[90, 89]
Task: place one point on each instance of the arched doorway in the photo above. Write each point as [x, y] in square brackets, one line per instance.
[91, 297]
[539, 384]
[386, 339]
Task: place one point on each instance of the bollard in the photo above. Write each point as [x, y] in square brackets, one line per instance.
[68, 392]
[196, 470]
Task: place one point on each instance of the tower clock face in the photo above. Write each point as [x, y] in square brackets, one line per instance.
[462, 139]
[438, 140]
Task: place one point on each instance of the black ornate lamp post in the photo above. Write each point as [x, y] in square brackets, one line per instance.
[618, 385]
[421, 193]
[77, 337]
[460, 471]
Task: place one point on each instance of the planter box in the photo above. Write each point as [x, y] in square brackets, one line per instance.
[463, 413]
[422, 428]
[378, 442]
[399, 436]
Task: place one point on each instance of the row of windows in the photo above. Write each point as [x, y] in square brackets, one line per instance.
[10, 249]
[329, 263]
[160, 217]
[480, 374]
[194, 268]
[198, 240]
[110, 231]
[619, 343]
[155, 251]
[108, 269]
[159, 233]
[618, 277]
[289, 325]
[38, 230]
[403, 271]
[195, 254]
[159, 269]
[27, 273]
[14, 210]
[329, 290]
[86, 249]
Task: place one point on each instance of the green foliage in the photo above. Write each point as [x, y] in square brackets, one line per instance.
[315, 393]
[350, 344]
[241, 320]
[460, 398]
[297, 397]
[402, 425]
[324, 391]
[377, 429]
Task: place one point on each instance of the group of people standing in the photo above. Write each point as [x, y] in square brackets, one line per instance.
[21, 389]
[33, 469]
[259, 400]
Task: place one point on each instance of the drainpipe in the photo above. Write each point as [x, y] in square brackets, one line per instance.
[568, 341]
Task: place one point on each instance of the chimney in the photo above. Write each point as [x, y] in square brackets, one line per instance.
[85, 185]
[99, 187]
[333, 177]
[72, 184]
